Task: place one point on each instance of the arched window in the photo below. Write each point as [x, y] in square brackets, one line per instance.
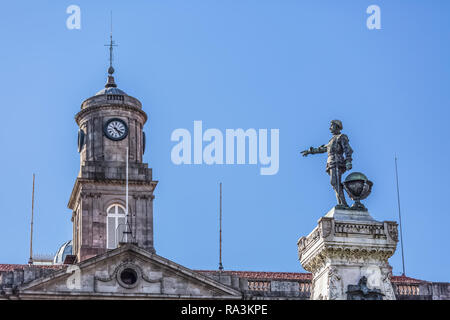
[115, 220]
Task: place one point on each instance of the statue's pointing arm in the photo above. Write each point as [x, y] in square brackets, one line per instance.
[348, 151]
[311, 150]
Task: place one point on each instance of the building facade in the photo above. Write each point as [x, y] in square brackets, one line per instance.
[112, 255]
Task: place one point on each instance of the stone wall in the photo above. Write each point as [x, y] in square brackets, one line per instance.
[252, 286]
[405, 288]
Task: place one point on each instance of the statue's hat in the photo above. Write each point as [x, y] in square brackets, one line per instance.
[338, 123]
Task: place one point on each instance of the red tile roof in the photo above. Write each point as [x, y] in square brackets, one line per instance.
[264, 275]
[12, 267]
[295, 276]
[405, 279]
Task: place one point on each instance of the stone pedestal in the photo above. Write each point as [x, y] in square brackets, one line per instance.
[346, 246]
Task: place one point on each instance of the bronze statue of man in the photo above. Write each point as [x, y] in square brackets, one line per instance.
[339, 158]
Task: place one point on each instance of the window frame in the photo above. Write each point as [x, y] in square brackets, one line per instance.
[116, 215]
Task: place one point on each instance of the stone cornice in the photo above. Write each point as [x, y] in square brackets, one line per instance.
[354, 241]
[348, 253]
[108, 98]
[79, 181]
[91, 109]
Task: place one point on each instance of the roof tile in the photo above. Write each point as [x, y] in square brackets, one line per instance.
[262, 275]
[12, 267]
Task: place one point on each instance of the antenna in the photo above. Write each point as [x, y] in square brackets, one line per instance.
[30, 260]
[399, 216]
[126, 200]
[126, 235]
[220, 231]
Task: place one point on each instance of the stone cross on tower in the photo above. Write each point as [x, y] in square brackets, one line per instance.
[110, 122]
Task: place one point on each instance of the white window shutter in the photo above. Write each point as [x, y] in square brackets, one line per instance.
[111, 232]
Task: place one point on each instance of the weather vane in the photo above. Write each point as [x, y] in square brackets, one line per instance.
[111, 45]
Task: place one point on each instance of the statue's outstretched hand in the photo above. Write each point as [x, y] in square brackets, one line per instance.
[306, 152]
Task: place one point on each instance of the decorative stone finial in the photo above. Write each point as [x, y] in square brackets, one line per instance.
[110, 83]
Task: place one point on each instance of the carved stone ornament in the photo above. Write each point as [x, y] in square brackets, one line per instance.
[350, 254]
[362, 292]
[326, 226]
[335, 286]
[387, 285]
[128, 275]
[393, 230]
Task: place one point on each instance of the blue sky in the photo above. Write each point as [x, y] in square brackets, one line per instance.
[289, 65]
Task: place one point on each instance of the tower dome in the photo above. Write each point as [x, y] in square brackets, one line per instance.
[62, 252]
[112, 95]
[110, 87]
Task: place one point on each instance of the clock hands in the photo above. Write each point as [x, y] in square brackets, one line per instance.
[116, 129]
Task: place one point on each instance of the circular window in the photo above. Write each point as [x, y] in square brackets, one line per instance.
[128, 276]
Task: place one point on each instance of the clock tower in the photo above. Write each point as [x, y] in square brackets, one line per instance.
[110, 131]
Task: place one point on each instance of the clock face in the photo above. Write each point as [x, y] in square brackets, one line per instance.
[116, 129]
[143, 142]
[80, 139]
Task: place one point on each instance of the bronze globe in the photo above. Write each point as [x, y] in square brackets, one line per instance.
[358, 187]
